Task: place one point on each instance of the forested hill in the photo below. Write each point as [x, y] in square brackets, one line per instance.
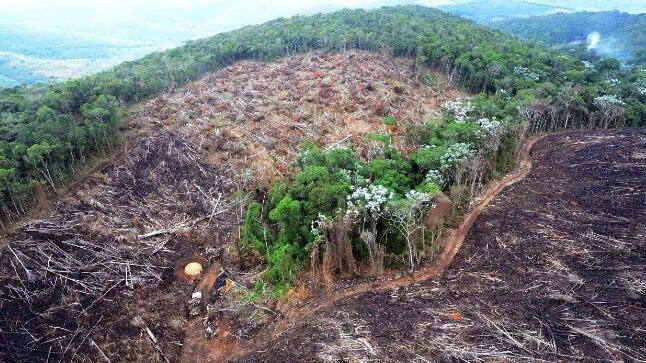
[621, 35]
[47, 131]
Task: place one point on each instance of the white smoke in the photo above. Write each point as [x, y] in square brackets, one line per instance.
[593, 40]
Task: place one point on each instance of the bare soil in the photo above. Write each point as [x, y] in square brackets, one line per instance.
[552, 270]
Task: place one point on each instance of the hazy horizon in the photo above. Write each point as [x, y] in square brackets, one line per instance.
[41, 40]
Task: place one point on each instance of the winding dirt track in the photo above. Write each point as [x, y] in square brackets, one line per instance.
[227, 350]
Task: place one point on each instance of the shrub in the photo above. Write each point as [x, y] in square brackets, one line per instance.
[385, 139]
[428, 157]
[309, 154]
[460, 132]
[284, 263]
[287, 216]
[253, 234]
[319, 190]
[390, 121]
[416, 134]
[340, 159]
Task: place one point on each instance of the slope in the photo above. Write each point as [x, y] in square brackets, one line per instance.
[78, 282]
[48, 131]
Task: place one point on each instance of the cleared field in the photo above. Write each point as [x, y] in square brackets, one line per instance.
[94, 272]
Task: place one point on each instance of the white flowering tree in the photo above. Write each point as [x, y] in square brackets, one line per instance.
[529, 74]
[455, 154]
[491, 132]
[368, 203]
[460, 110]
[641, 86]
[406, 216]
[611, 108]
[435, 177]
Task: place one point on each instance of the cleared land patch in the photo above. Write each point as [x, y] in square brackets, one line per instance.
[94, 276]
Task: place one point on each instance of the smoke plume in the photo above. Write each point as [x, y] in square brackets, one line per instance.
[593, 40]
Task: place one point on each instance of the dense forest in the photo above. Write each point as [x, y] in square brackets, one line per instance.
[620, 35]
[48, 131]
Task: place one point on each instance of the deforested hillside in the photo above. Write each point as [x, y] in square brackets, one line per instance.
[48, 132]
[192, 205]
[551, 271]
[255, 115]
[110, 245]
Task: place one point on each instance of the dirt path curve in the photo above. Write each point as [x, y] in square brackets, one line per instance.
[227, 350]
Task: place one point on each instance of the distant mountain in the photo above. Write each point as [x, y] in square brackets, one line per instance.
[615, 34]
[51, 42]
[31, 56]
[489, 11]
[627, 6]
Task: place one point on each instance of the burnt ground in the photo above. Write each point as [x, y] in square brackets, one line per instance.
[553, 270]
[83, 282]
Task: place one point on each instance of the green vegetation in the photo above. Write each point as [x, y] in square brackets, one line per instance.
[46, 132]
[388, 195]
[390, 121]
[621, 35]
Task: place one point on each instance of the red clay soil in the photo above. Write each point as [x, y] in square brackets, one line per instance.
[222, 349]
[552, 270]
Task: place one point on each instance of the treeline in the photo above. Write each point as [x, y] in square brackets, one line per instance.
[46, 131]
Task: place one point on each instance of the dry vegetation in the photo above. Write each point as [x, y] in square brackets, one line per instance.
[254, 115]
[552, 271]
[93, 277]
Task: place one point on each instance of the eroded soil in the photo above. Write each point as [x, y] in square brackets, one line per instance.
[553, 270]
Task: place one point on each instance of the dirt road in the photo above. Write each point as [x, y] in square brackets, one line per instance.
[553, 270]
[226, 349]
